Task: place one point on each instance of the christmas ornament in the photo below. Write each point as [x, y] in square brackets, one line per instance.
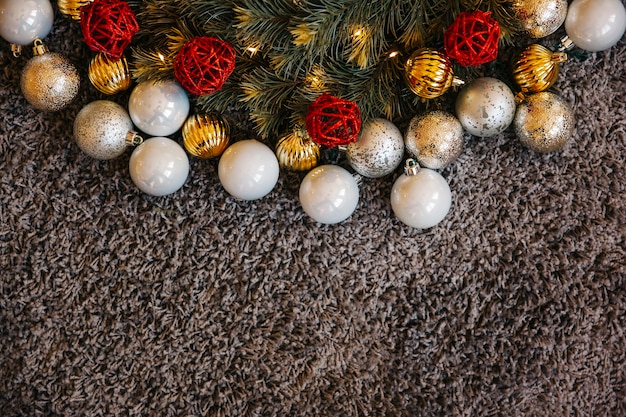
[159, 166]
[420, 198]
[544, 122]
[485, 107]
[248, 170]
[329, 194]
[109, 77]
[206, 135]
[332, 121]
[49, 81]
[108, 26]
[23, 21]
[203, 65]
[595, 25]
[296, 150]
[540, 18]
[103, 130]
[472, 39]
[434, 138]
[536, 68]
[158, 108]
[428, 73]
[378, 151]
[71, 8]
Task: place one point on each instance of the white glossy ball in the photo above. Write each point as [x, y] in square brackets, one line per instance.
[23, 21]
[595, 25]
[159, 166]
[485, 107]
[248, 170]
[421, 200]
[329, 194]
[378, 151]
[158, 108]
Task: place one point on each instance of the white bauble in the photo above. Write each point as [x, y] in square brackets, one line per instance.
[159, 166]
[248, 170]
[595, 25]
[329, 194]
[158, 108]
[23, 21]
[378, 150]
[421, 200]
[485, 107]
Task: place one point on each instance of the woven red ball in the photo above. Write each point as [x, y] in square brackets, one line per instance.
[332, 121]
[108, 26]
[472, 39]
[203, 64]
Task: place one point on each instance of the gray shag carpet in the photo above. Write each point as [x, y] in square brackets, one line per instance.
[113, 302]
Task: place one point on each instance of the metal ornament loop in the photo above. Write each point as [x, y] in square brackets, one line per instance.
[411, 167]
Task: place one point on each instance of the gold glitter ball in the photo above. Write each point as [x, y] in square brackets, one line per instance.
[429, 74]
[434, 138]
[296, 151]
[536, 68]
[544, 122]
[49, 81]
[109, 77]
[206, 136]
[540, 18]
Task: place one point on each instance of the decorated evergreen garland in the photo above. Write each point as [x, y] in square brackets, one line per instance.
[313, 75]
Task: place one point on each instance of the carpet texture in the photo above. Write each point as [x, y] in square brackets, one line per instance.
[113, 302]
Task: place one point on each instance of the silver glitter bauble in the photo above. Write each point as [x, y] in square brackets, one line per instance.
[49, 81]
[540, 18]
[544, 122]
[378, 151]
[435, 139]
[103, 130]
[485, 107]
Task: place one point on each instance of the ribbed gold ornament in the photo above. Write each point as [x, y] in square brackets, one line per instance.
[109, 77]
[71, 8]
[429, 73]
[296, 151]
[536, 68]
[206, 135]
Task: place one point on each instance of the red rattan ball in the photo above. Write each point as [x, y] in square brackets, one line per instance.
[472, 39]
[203, 65]
[108, 26]
[332, 121]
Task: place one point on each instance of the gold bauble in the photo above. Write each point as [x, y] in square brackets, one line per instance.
[206, 136]
[540, 18]
[49, 81]
[536, 68]
[544, 122]
[109, 77]
[429, 74]
[296, 151]
[435, 139]
[71, 8]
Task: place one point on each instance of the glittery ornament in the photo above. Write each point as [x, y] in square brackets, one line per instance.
[378, 151]
[206, 136]
[296, 151]
[540, 18]
[485, 107]
[103, 130]
[49, 80]
[536, 68]
[544, 122]
[435, 139]
[429, 74]
[109, 77]
[71, 8]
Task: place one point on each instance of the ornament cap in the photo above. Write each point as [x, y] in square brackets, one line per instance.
[411, 167]
[16, 49]
[559, 57]
[133, 138]
[39, 48]
[566, 44]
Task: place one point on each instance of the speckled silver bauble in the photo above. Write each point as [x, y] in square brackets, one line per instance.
[485, 107]
[49, 81]
[435, 139]
[103, 129]
[544, 122]
[378, 151]
[540, 18]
